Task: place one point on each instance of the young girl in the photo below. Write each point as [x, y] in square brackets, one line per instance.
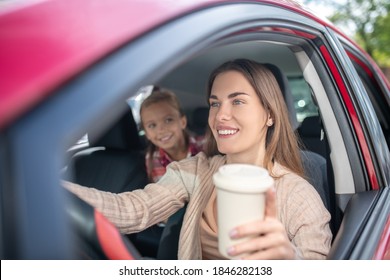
[165, 125]
[248, 123]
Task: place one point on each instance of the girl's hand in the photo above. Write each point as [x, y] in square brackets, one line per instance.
[270, 241]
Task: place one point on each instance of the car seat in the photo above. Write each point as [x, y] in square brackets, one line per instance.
[314, 164]
[115, 162]
[310, 132]
[200, 118]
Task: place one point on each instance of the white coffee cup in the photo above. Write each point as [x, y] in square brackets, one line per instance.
[240, 199]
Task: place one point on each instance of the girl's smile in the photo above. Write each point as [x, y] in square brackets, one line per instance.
[164, 127]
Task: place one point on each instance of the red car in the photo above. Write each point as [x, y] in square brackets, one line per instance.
[74, 68]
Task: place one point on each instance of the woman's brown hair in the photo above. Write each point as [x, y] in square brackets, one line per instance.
[281, 141]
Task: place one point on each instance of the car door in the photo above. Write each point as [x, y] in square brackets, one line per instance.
[34, 221]
[372, 93]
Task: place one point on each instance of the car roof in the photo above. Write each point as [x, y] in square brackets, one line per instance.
[45, 43]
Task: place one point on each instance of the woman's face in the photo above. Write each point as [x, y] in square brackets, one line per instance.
[237, 119]
[163, 125]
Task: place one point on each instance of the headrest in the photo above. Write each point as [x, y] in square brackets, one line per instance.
[200, 118]
[310, 127]
[122, 135]
[285, 89]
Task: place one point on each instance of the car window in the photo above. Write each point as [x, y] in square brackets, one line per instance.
[378, 97]
[135, 102]
[303, 100]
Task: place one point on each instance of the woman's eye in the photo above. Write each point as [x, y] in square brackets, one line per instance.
[151, 126]
[237, 102]
[214, 104]
[168, 120]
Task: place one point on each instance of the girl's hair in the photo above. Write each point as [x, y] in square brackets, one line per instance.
[160, 95]
[281, 141]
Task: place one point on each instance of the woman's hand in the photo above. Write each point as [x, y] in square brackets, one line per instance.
[271, 241]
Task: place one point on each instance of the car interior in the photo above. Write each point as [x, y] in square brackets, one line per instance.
[74, 116]
[114, 161]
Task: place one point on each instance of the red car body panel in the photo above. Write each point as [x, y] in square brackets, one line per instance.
[383, 250]
[110, 239]
[44, 44]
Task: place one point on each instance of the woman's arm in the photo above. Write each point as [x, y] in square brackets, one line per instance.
[139, 209]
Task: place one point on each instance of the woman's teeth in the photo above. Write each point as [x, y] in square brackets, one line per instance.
[227, 131]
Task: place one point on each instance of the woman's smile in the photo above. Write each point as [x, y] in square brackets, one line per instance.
[226, 131]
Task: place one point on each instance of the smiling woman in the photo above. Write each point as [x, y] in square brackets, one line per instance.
[242, 84]
[259, 138]
[92, 71]
[232, 99]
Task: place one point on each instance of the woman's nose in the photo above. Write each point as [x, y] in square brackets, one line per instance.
[224, 112]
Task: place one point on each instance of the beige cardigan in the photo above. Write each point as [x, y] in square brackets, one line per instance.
[300, 208]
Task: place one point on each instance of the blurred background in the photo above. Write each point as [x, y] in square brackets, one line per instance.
[367, 22]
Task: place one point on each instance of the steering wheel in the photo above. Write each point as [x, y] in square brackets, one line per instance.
[96, 237]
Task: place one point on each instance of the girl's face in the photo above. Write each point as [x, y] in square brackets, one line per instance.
[237, 119]
[163, 125]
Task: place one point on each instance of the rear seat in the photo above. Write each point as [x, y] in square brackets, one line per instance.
[115, 162]
[199, 119]
[310, 133]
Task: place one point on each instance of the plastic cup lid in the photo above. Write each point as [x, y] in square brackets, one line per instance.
[242, 178]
